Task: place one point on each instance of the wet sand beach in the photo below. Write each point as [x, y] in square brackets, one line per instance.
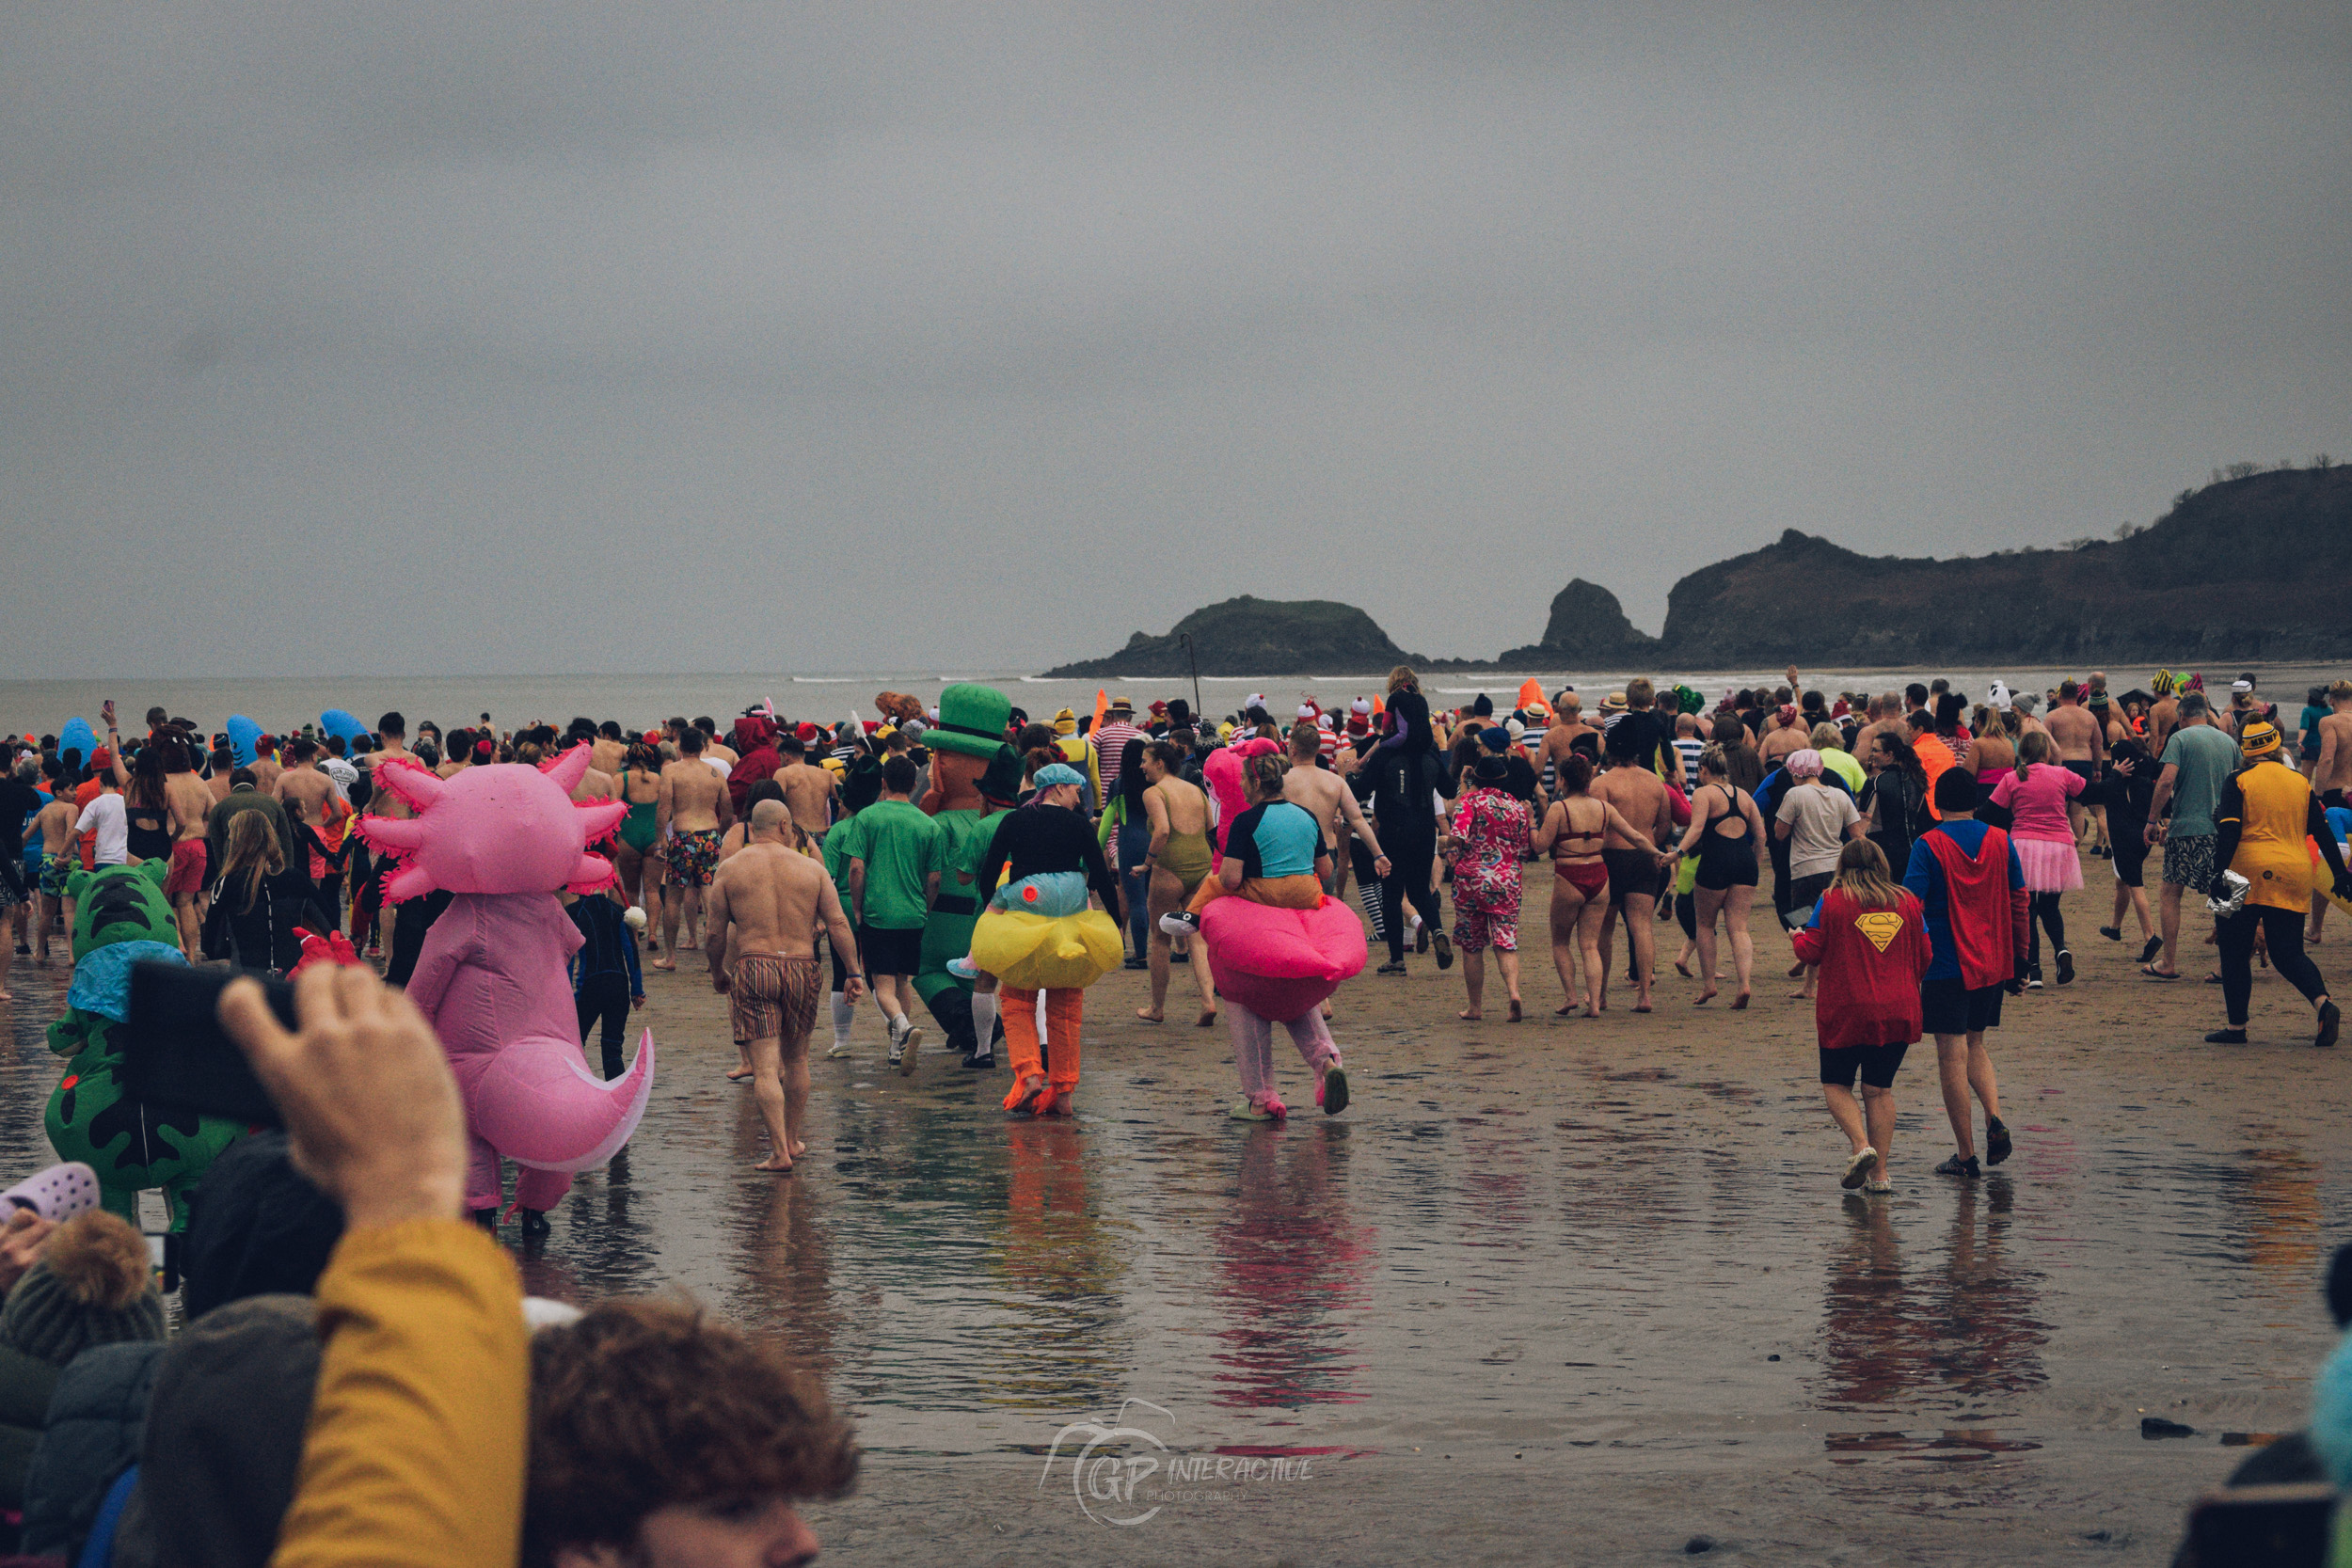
[1564, 1290]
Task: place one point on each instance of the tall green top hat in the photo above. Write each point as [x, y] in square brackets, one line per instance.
[972, 719]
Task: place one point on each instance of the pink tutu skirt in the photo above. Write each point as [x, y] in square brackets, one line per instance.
[2051, 864]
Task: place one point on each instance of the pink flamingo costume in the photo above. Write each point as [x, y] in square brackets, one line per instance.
[491, 978]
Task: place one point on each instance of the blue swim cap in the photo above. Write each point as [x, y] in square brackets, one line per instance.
[1058, 773]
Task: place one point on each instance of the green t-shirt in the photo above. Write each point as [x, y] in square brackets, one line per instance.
[2207, 758]
[900, 847]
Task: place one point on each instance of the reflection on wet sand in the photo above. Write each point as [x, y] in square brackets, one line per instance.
[1059, 1339]
[2275, 1198]
[1950, 1337]
[1293, 1265]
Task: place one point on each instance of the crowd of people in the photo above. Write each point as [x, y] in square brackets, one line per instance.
[392, 1387]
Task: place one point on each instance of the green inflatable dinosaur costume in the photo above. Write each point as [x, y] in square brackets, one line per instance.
[123, 917]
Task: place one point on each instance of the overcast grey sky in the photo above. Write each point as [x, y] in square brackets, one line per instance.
[518, 338]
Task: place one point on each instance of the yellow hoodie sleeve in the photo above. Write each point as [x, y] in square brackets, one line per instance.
[416, 1447]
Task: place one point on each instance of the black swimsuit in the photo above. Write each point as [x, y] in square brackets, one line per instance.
[1728, 860]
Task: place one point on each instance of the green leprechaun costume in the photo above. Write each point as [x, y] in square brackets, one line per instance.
[975, 778]
[123, 918]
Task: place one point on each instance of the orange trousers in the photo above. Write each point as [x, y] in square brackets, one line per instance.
[1064, 1012]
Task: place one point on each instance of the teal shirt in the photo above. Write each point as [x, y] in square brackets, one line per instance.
[900, 847]
[2207, 758]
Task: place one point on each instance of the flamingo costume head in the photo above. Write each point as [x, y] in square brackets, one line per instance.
[508, 828]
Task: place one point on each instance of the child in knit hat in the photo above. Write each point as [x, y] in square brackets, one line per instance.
[93, 1286]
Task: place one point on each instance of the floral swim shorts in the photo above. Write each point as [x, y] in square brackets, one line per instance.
[1476, 929]
[694, 856]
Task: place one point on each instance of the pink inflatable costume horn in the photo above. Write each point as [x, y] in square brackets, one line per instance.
[504, 839]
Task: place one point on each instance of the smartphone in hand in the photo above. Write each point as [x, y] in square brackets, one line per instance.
[176, 1056]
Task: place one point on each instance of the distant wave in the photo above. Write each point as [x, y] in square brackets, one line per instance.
[827, 680]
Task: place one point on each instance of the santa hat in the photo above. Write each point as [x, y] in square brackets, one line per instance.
[807, 731]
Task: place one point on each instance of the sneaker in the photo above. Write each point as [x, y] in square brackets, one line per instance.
[837, 1051]
[2066, 967]
[904, 1054]
[1331, 1094]
[964, 969]
[2226, 1036]
[1445, 950]
[1421, 936]
[1180, 923]
[897, 1057]
[2331, 1024]
[1878, 1188]
[2148, 953]
[2113, 933]
[1858, 1169]
[1246, 1110]
[1131, 963]
[1964, 1166]
[1394, 966]
[2033, 980]
[1996, 1141]
[977, 1061]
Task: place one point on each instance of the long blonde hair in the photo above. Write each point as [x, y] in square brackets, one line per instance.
[253, 851]
[1403, 679]
[1862, 873]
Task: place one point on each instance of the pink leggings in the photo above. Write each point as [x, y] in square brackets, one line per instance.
[1253, 1044]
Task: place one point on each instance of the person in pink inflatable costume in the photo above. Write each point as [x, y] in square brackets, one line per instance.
[506, 839]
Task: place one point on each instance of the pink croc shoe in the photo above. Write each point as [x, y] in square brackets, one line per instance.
[57, 1193]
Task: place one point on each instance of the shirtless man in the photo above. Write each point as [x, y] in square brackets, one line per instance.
[612, 753]
[2332, 775]
[808, 789]
[1559, 738]
[190, 803]
[2082, 747]
[1885, 717]
[691, 816]
[1176, 864]
[596, 784]
[1788, 737]
[367, 909]
[60, 859]
[1326, 798]
[266, 766]
[304, 788]
[2163, 716]
[1641, 798]
[224, 763]
[766, 904]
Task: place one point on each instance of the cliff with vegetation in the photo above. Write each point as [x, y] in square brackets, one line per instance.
[2254, 566]
[2250, 568]
[1255, 637]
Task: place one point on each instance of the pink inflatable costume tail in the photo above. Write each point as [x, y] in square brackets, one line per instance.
[537, 1105]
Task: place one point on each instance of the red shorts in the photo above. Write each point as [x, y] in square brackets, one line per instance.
[186, 874]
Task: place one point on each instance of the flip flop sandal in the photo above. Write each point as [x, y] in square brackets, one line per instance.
[2153, 973]
[57, 1193]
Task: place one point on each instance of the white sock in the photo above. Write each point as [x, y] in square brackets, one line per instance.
[984, 1023]
[844, 1014]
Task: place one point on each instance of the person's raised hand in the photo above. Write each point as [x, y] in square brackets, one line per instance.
[21, 1242]
[371, 1111]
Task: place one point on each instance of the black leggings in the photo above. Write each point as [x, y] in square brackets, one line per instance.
[1687, 912]
[605, 998]
[2044, 911]
[1411, 847]
[2282, 930]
